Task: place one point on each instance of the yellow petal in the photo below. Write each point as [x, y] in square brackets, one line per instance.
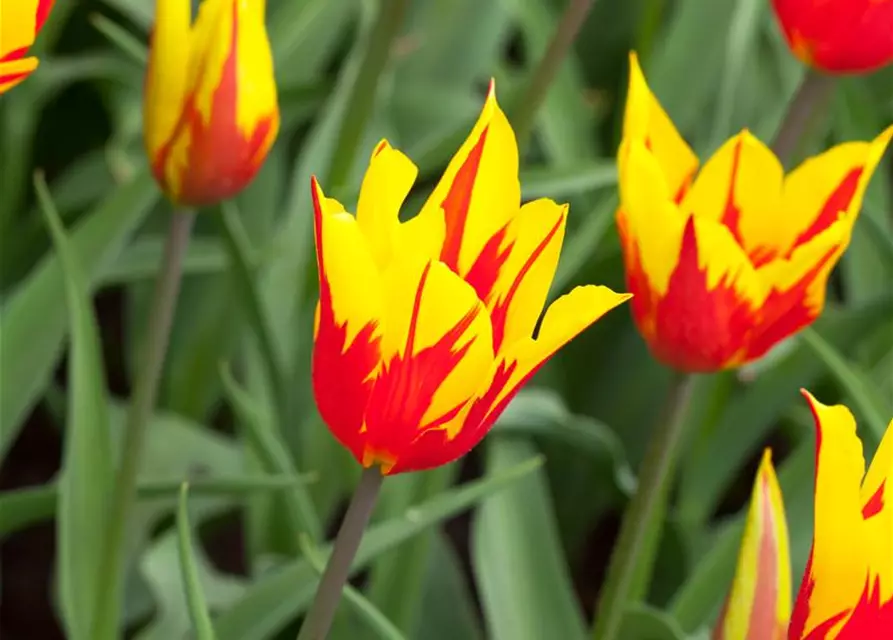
[839, 562]
[437, 351]
[827, 187]
[346, 266]
[385, 186]
[740, 187]
[523, 285]
[645, 120]
[565, 318]
[878, 514]
[256, 83]
[18, 25]
[12, 73]
[479, 191]
[212, 43]
[167, 72]
[759, 604]
[648, 215]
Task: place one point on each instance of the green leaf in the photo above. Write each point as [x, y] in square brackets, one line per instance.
[642, 622]
[521, 569]
[195, 597]
[282, 595]
[33, 321]
[273, 455]
[140, 260]
[562, 182]
[84, 492]
[120, 37]
[20, 508]
[541, 412]
[374, 619]
[867, 400]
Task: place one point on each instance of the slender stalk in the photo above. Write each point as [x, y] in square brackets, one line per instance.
[634, 551]
[362, 96]
[328, 594]
[813, 93]
[145, 391]
[535, 94]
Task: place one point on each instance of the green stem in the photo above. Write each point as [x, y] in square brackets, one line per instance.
[328, 594]
[145, 390]
[362, 97]
[535, 94]
[634, 551]
[814, 91]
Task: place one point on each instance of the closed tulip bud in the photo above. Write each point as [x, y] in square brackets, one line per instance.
[727, 261]
[759, 604]
[20, 22]
[838, 36]
[210, 110]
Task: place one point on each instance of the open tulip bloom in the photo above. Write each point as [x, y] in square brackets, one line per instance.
[425, 328]
[838, 36]
[847, 589]
[210, 110]
[727, 261]
[20, 22]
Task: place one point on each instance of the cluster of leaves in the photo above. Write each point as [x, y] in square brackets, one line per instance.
[526, 564]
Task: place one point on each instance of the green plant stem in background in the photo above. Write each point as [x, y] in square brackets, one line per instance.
[145, 390]
[813, 93]
[362, 97]
[634, 550]
[533, 96]
[328, 594]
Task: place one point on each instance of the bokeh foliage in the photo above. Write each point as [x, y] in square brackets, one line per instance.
[496, 546]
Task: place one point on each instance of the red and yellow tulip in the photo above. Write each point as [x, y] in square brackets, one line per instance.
[726, 262]
[759, 604]
[847, 589]
[210, 109]
[424, 328]
[20, 22]
[838, 36]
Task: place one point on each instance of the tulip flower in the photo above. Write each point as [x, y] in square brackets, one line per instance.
[210, 109]
[20, 22]
[424, 328]
[838, 36]
[726, 262]
[847, 589]
[759, 604]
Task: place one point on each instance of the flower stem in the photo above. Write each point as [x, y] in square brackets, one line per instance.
[636, 545]
[145, 391]
[328, 594]
[362, 97]
[535, 94]
[814, 91]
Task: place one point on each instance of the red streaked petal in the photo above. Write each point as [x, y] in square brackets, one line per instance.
[346, 349]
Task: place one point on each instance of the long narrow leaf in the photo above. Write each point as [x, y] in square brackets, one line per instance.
[195, 596]
[87, 462]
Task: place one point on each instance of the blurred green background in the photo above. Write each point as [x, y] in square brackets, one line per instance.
[521, 554]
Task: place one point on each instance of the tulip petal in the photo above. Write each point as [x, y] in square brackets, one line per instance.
[645, 120]
[759, 604]
[826, 188]
[20, 20]
[437, 352]
[346, 350]
[740, 187]
[385, 186]
[167, 73]
[878, 515]
[524, 283]
[837, 572]
[15, 71]
[477, 196]
[565, 318]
